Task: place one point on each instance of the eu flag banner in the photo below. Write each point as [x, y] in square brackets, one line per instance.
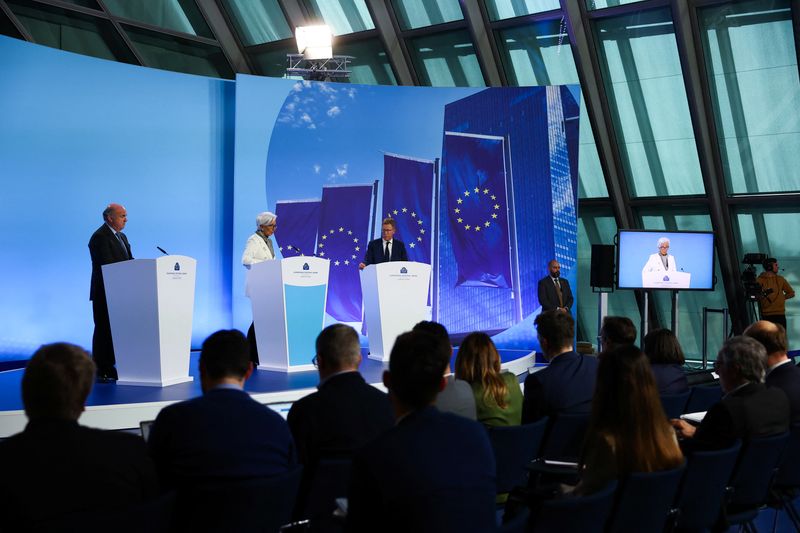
[408, 199]
[343, 238]
[298, 221]
[473, 169]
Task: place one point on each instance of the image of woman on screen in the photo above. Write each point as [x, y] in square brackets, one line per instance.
[661, 261]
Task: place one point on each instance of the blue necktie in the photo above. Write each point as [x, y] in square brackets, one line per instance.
[122, 243]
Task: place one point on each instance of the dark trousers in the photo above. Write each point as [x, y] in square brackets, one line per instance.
[251, 340]
[102, 344]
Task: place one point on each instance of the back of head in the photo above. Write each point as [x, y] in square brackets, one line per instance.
[662, 348]
[338, 348]
[772, 336]
[617, 331]
[478, 362]
[225, 354]
[556, 327]
[745, 357]
[57, 381]
[416, 368]
[438, 331]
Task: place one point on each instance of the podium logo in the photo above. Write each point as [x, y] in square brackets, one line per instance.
[404, 270]
[177, 267]
[666, 278]
[305, 266]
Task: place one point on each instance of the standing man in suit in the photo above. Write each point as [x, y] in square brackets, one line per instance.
[107, 245]
[385, 249]
[554, 292]
[781, 372]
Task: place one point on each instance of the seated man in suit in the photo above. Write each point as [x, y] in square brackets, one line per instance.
[346, 412]
[56, 467]
[616, 331]
[781, 373]
[554, 291]
[566, 386]
[385, 249]
[457, 396]
[224, 434]
[748, 409]
[433, 471]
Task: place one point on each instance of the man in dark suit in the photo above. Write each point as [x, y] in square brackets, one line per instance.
[107, 245]
[346, 412]
[566, 386]
[554, 291]
[385, 249]
[224, 434]
[748, 409]
[781, 373]
[433, 471]
[56, 468]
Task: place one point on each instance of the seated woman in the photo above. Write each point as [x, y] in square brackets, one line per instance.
[627, 429]
[498, 397]
[666, 360]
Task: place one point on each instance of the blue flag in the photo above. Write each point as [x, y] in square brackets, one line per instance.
[473, 169]
[408, 199]
[298, 221]
[343, 238]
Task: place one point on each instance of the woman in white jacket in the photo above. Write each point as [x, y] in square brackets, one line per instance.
[259, 248]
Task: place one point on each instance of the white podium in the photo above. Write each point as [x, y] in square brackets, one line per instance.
[395, 299]
[666, 280]
[150, 305]
[288, 298]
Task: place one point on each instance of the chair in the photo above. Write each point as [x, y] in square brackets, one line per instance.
[514, 447]
[703, 397]
[249, 505]
[644, 501]
[576, 514]
[787, 481]
[675, 404]
[702, 489]
[328, 482]
[564, 437]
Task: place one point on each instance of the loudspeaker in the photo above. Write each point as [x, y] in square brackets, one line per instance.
[602, 271]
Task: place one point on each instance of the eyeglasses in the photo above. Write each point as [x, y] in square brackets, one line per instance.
[315, 362]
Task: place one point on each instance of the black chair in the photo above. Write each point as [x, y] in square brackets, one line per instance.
[514, 447]
[564, 437]
[249, 505]
[575, 514]
[703, 397]
[702, 489]
[675, 404]
[644, 501]
[787, 482]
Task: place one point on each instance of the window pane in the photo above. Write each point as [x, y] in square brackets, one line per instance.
[506, 9]
[273, 62]
[371, 64]
[540, 54]
[176, 15]
[8, 28]
[258, 21]
[642, 74]
[343, 16]
[170, 53]
[420, 13]
[70, 31]
[690, 303]
[446, 60]
[599, 4]
[752, 64]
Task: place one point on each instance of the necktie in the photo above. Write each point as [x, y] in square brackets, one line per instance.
[558, 291]
[386, 255]
[122, 244]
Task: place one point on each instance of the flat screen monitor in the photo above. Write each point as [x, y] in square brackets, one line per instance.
[671, 260]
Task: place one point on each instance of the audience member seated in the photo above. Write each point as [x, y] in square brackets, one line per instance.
[627, 429]
[433, 471]
[781, 373]
[748, 409]
[498, 397]
[616, 331]
[457, 395]
[666, 359]
[567, 384]
[346, 412]
[56, 467]
[224, 434]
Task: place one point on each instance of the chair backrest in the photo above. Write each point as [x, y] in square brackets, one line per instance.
[789, 469]
[702, 489]
[576, 514]
[644, 500]
[328, 482]
[564, 437]
[703, 397]
[674, 404]
[755, 470]
[514, 447]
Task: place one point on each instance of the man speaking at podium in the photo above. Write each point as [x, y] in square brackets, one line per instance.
[385, 249]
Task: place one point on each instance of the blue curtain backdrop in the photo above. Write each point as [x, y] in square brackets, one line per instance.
[297, 222]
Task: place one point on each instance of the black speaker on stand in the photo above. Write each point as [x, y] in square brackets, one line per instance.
[601, 273]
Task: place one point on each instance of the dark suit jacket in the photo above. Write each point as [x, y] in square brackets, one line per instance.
[105, 249]
[224, 434]
[670, 379]
[343, 415]
[56, 467]
[548, 297]
[566, 386]
[752, 411]
[374, 253]
[432, 472]
[787, 378]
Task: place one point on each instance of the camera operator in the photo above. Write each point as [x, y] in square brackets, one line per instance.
[776, 291]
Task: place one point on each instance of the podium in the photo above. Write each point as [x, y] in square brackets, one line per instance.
[150, 306]
[395, 299]
[288, 299]
[666, 280]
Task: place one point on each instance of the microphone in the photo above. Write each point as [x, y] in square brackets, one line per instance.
[163, 251]
[295, 248]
